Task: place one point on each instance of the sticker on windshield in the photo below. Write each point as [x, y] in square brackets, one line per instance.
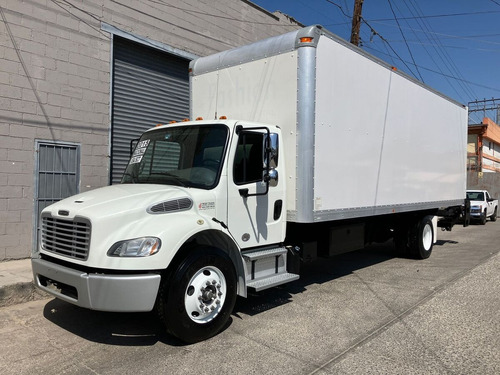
[139, 151]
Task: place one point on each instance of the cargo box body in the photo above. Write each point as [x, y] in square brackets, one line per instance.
[361, 138]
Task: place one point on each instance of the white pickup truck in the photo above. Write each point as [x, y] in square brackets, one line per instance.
[482, 206]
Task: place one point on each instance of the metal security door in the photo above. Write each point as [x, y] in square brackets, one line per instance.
[57, 175]
[149, 87]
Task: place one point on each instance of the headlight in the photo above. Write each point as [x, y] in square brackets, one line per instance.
[139, 247]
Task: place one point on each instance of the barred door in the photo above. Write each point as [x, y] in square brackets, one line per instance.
[57, 175]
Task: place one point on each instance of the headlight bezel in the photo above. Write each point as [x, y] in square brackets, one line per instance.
[140, 247]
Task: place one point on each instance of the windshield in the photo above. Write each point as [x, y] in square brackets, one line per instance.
[187, 156]
[475, 196]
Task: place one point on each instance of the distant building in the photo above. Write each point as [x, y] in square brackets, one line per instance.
[483, 149]
[80, 79]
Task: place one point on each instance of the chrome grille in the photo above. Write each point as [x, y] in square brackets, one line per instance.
[69, 238]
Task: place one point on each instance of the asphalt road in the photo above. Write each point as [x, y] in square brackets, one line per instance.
[366, 312]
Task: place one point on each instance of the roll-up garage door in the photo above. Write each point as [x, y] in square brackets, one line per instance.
[150, 87]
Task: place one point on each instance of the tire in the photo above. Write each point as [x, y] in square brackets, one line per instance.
[494, 216]
[483, 218]
[196, 302]
[421, 238]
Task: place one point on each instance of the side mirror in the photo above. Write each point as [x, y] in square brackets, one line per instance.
[271, 159]
[273, 150]
[273, 177]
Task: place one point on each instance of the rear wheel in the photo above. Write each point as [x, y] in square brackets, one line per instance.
[198, 299]
[494, 216]
[421, 238]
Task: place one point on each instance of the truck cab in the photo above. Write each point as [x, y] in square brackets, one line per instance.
[198, 218]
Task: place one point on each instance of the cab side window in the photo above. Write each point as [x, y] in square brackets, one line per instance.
[249, 160]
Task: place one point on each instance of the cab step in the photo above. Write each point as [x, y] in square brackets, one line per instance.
[266, 268]
[272, 281]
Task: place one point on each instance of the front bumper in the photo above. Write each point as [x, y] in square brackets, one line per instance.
[476, 215]
[118, 293]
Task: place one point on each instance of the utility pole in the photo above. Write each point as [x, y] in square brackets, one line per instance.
[356, 22]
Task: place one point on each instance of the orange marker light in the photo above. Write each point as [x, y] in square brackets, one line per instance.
[172, 122]
[223, 118]
[159, 125]
[199, 118]
[306, 39]
[185, 119]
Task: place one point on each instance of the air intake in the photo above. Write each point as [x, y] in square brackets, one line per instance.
[182, 204]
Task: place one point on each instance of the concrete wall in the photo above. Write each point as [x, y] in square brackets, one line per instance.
[55, 81]
[485, 181]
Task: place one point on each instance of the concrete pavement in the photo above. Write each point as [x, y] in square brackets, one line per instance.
[365, 312]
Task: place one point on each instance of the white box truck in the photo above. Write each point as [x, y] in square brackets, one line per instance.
[323, 149]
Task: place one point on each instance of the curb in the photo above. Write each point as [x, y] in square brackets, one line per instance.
[20, 293]
[16, 283]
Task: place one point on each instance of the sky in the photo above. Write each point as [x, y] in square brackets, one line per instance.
[452, 46]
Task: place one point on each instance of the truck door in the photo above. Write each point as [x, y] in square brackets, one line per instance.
[256, 211]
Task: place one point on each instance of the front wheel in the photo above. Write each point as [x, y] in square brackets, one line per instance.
[198, 299]
[483, 217]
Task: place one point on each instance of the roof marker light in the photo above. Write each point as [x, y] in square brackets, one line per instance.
[306, 39]
[223, 118]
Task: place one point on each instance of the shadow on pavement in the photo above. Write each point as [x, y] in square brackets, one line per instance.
[145, 329]
[317, 272]
[126, 329]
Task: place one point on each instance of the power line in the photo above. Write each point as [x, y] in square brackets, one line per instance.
[403, 35]
[442, 35]
[433, 43]
[437, 15]
[497, 89]
[421, 43]
[443, 54]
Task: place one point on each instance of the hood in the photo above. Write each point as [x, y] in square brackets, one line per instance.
[116, 199]
[476, 203]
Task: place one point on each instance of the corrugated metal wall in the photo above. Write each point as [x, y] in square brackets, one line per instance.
[149, 87]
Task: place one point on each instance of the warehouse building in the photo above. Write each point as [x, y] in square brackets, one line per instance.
[483, 147]
[79, 80]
